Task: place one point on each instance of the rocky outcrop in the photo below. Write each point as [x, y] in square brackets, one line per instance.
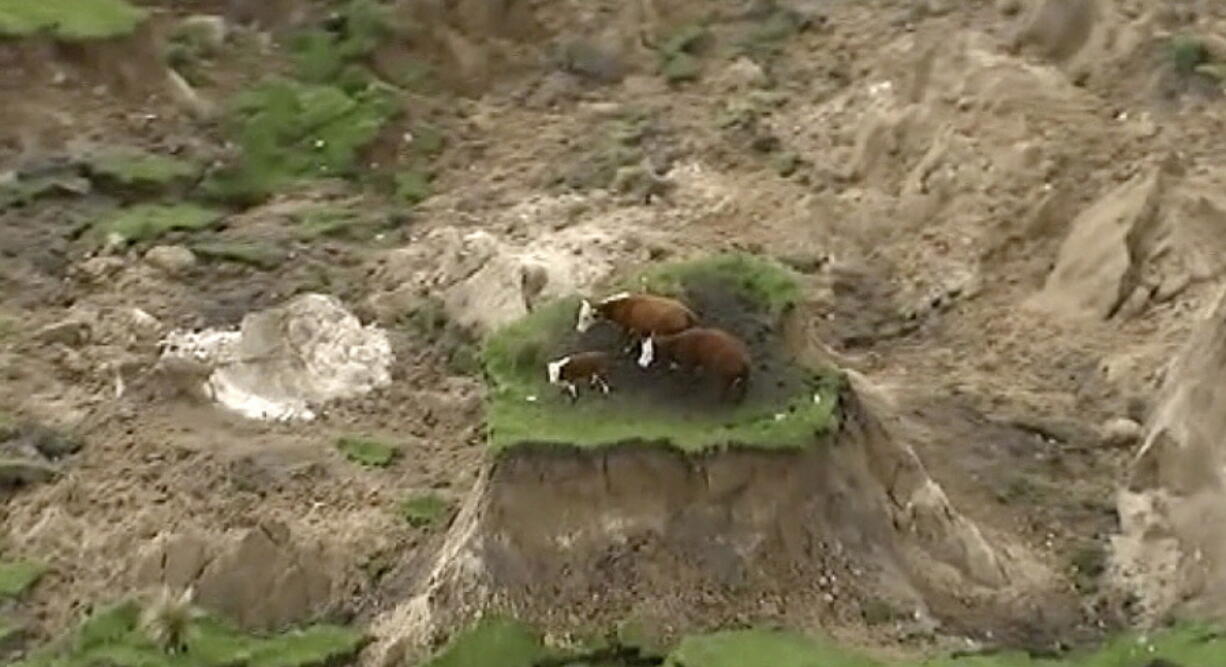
[262, 577]
[1171, 551]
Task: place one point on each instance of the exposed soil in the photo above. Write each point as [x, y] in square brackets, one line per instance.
[939, 172]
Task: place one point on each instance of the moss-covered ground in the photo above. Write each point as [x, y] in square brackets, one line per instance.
[69, 20]
[17, 576]
[113, 636]
[504, 643]
[786, 405]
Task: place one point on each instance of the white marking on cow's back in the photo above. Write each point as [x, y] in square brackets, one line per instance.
[555, 369]
[620, 296]
[648, 354]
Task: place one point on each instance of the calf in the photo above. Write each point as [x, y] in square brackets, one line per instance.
[715, 351]
[590, 366]
[640, 315]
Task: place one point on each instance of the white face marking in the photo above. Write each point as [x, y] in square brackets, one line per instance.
[648, 354]
[555, 369]
[587, 317]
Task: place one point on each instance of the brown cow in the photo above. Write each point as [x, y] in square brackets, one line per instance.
[714, 351]
[640, 315]
[590, 366]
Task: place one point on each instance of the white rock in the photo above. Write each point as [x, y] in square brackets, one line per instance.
[1120, 432]
[173, 259]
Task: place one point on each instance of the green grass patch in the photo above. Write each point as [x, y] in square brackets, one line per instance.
[114, 636]
[321, 56]
[367, 451]
[70, 20]
[493, 642]
[136, 168]
[764, 282]
[290, 132]
[263, 256]
[147, 222]
[16, 577]
[413, 186]
[679, 53]
[1187, 53]
[761, 648]
[523, 408]
[423, 510]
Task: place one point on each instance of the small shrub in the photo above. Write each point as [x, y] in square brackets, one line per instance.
[1187, 53]
[423, 510]
[322, 56]
[146, 222]
[367, 451]
[18, 576]
[70, 20]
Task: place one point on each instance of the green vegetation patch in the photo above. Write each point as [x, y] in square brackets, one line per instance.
[115, 636]
[766, 283]
[423, 510]
[17, 577]
[787, 406]
[146, 222]
[367, 451]
[506, 643]
[133, 167]
[260, 255]
[70, 20]
[493, 642]
[761, 648]
[290, 131]
[322, 56]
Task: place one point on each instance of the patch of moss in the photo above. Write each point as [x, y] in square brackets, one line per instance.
[523, 408]
[146, 222]
[367, 451]
[18, 576]
[113, 636]
[1187, 53]
[263, 256]
[493, 642]
[413, 186]
[70, 20]
[423, 510]
[135, 168]
[289, 131]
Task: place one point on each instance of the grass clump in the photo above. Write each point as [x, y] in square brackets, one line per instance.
[262, 256]
[325, 56]
[135, 168]
[493, 642]
[765, 282]
[16, 577]
[70, 20]
[331, 222]
[146, 222]
[761, 648]
[679, 53]
[367, 451]
[127, 635]
[290, 131]
[1187, 53]
[423, 510]
[523, 408]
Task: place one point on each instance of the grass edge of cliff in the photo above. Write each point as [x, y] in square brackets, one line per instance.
[523, 409]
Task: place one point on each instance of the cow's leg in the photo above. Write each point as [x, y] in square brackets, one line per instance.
[599, 382]
[572, 391]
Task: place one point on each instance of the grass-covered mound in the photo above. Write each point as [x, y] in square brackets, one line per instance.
[69, 20]
[785, 406]
[116, 636]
